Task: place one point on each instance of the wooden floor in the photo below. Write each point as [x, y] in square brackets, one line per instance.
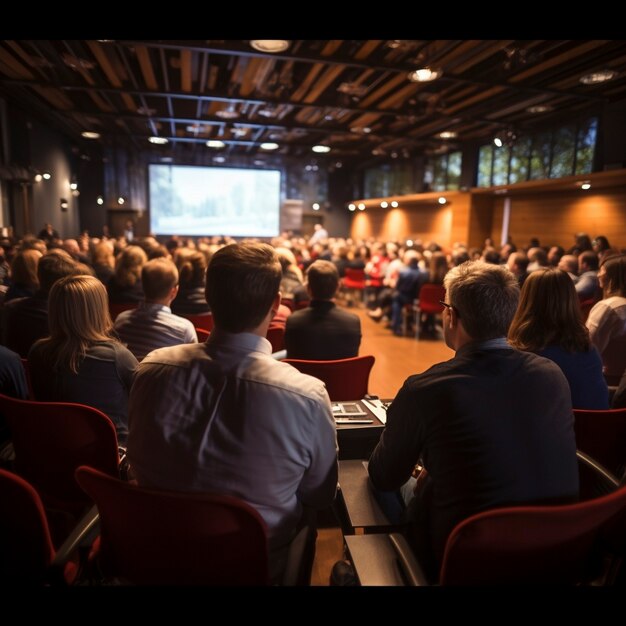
[396, 359]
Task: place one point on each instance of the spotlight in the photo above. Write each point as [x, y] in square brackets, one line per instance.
[121, 200]
[73, 186]
[100, 200]
[361, 206]
[384, 205]
[316, 206]
[586, 185]
[351, 207]
[498, 142]
[321, 149]
[38, 178]
[441, 200]
[47, 175]
[394, 204]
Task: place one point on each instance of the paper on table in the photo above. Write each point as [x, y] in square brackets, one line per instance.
[377, 408]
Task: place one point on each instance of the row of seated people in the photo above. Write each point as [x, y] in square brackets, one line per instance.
[191, 393]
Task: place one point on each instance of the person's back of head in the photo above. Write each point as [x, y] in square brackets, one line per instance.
[128, 265]
[548, 314]
[24, 267]
[191, 267]
[484, 296]
[613, 273]
[158, 277]
[242, 282]
[588, 261]
[322, 280]
[53, 266]
[518, 263]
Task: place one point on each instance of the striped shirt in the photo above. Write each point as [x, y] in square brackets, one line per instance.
[151, 326]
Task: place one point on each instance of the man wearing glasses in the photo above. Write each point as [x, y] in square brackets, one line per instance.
[492, 426]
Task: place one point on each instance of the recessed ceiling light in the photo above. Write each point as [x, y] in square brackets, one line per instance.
[89, 134]
[227, 114]
[47, 175]
[361, 206]
[498, 142]
[425, 75]
[394, 204]
[441, 200]
[539, 108]
[351, 207]
[316, 206]
[270, 45]
[160, 141]
[269, 145]
[215, 143]
[447, 134]
[586, 185]
[38, 178]
[598, 77]
[238, 132]
[321, 149]
[219, 159]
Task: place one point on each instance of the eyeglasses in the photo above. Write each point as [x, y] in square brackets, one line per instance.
[449, 306]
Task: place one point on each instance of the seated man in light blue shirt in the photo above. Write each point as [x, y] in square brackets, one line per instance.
[225, 417]
[152, 324]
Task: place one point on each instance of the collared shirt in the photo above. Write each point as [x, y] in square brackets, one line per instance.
[151, 326]
[225, 417]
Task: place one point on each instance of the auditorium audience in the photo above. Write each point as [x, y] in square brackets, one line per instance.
[607, 319]
[587, 285]
[224, 416]
[548, 322]
[82, 361]
[24, 282]
[322, 331]
[125, 285]
[493, 426]
[190, 299]
[569, 264]
[152, 324]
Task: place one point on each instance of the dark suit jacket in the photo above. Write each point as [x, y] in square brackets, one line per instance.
[25, 320]
[322, 332]
[493, 427]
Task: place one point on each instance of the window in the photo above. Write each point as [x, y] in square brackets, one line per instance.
[446, 171]
[389, 180]
[553, 153]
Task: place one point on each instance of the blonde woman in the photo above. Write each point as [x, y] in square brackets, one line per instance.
[125, 285]
[82, 361]
[24, 281]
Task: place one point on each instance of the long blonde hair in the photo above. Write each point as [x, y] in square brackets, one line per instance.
[78, 317]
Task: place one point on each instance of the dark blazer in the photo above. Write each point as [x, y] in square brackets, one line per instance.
[322, 332]
[493, 426]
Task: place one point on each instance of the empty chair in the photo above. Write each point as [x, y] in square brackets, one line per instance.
[26, 551]
[202, 334]
[602, 435]
[51, 439]
[203, 320]
[429, 302]
[176, 538]
[354, 282]
[345, 379]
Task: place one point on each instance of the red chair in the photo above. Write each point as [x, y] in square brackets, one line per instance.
[532, 544]
[354, 280]
[26, 550]
[276, 336]
[204, 320]
[202, 335]
[52, 439]
[428, 303]
[151, 537]
[345, 379]
[288, 302]
[602, 435]
[586, 306]
[115, 308]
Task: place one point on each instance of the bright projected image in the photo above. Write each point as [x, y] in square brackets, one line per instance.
[205, 201]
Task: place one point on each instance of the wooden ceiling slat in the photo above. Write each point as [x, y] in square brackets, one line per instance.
[383, 89]
[212, 78]
[365, 120]
[559, 59]
[331, 74]
[485, 54]
[101, 103]
[307, 82]
[13, 67]
[396, 99]
[331, 47]
[103, 60]
[129, 102]
[20, 52]
[483, 95]
[143, 56]
[185, 70]
[247, 80]
[55, 97]
[448, 59]
[367, 48]
[264, 71]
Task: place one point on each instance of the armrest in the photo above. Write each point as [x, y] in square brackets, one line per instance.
[83, 535]
[595, 480]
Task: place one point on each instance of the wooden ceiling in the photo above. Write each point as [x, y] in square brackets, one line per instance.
[351, 95]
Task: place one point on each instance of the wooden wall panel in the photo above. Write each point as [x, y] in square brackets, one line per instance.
[555, 218]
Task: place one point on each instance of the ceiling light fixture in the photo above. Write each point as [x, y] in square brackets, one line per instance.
[321, 149]
[229, 113]
[498, 142]
[586, 185]
[38, 178]
[272, 46]
[351, 207]
[100, 200]
[269, 145]
[384, 204]
[425, 75]
[447, 134]
[159, 141]
[47, 175]
[316, 206]
[89, 134]
[539, 108]
[361, 206]
[394, 204]
[441, 200]
[600, 76]
[215, 143]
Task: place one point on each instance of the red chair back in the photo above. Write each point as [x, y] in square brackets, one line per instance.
[345, 379]
[115, 308]
[354, 279]
[532, 544]
[586, 306]
[151, 537]
[26, 549]
[202, 335]
[429, 297]
[276, 336]
[204, 320]
[51, 439]
[602, 435]
[29, 382]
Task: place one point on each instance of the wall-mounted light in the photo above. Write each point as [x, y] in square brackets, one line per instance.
[316, 206]
[121, 200]
[73, 186]
[441, 200]
[586, 185]
[394, 204]
[38, 178]
[100, 200]
[64, 205]
[321, 149]
[361, 206]
[47, 175]
[409, 243]
[351, 207]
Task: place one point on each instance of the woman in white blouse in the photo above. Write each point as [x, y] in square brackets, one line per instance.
[607, 319]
